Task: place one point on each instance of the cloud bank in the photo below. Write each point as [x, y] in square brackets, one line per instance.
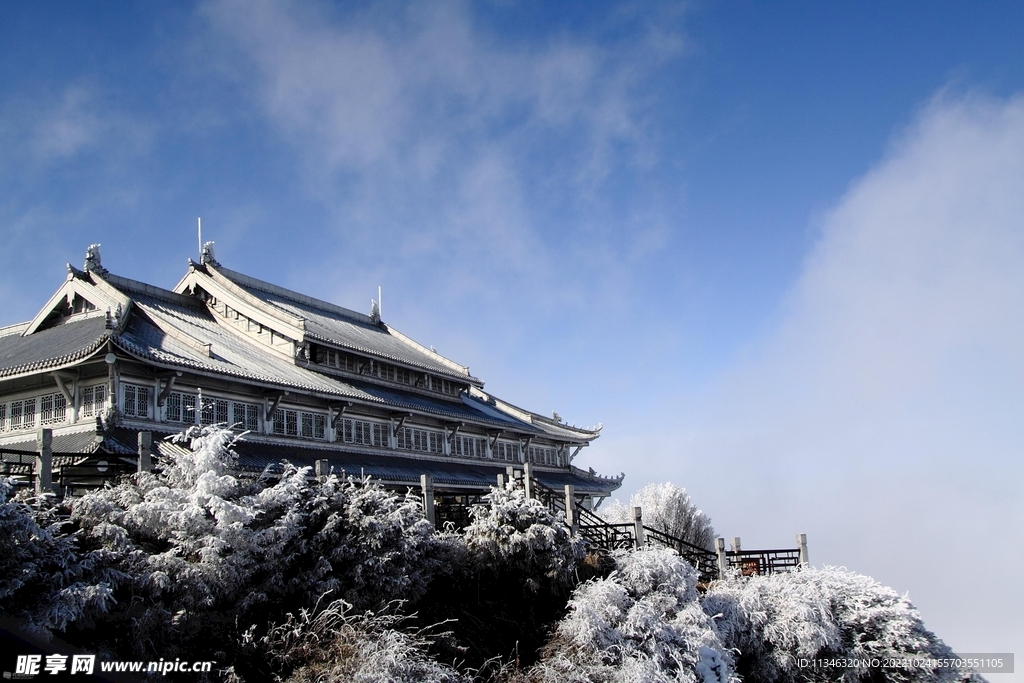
[883, 416]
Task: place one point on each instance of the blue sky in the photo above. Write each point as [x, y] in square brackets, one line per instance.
[775, 248]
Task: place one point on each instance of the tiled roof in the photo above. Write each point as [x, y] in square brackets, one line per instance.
[235, 356]
[63, 442]
[346, 329]
[52, 347]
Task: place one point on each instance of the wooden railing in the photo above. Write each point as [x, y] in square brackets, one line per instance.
[710, 564]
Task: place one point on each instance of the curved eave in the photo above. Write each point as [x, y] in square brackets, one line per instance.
[55, 363]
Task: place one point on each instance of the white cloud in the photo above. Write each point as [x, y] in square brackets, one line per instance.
[421, 129]
[883, 417]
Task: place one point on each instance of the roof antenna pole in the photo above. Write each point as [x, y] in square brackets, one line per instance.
[199, 224]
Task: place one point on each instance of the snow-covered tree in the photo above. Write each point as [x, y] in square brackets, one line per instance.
[644, 623]
[521, 534]
[775, 621]
[45, 582]
[669, 509]
[202, 554]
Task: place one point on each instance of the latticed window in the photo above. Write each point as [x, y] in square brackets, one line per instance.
[245, 416]
[136, 401]
[506, 451]
[180, 408]
[364, 433]
[543, 456]
[286, 422]
[3, 417]
[412, 439]
[92, 399]
[52, 409]
[469, 447]
[300, 423]
[23, 413]
[214, 411]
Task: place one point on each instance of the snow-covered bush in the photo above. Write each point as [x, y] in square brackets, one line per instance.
[521, 534]
[202, 554]
[340, 644]
[669, 509]
[774, 621]
[45, 582]
[644, 623]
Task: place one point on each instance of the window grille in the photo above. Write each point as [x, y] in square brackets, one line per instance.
[92, 399]
[23, 414]
[214, 411]
[286, 422]
[506, 451]
[364, 433]
[53, 409]
[412, 439]
[543, 456]
[180, 408]
[299, 423]
[469, 447]
[3, 417]
[245, 416]
[136, 401]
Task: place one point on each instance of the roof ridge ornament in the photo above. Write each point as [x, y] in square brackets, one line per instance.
[93, 263]
[374, 312]
[207, 256]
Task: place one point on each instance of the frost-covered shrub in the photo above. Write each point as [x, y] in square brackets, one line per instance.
[44, 581]
[521, 534]
[669, 509]
[340, 644]
[644, 623]
[201, 554]
[774, 621]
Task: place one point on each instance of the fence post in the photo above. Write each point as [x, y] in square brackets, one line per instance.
[528, 479]
[427, 484]
[570, 509]
[735, 544]
[145, 451]
[44, 461]
[638, 527]
[322, 468]
[510, 472]
[801, 543]
[723, 560]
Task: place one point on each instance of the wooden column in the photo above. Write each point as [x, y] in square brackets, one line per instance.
[528, 479]
[322, 468]
[44, 461]
[427, 484]
[145, 451]
[638, 527]
[570, 509]
[723, 560]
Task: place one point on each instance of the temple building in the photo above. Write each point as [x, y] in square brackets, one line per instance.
[108, 361]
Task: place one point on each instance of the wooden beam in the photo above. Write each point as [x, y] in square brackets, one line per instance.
[455, 426]
[166, 391]
[277, 401]
[401, 422]
[60, 377]
[342, 407]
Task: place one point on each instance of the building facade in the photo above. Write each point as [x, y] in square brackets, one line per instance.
[108, 358]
